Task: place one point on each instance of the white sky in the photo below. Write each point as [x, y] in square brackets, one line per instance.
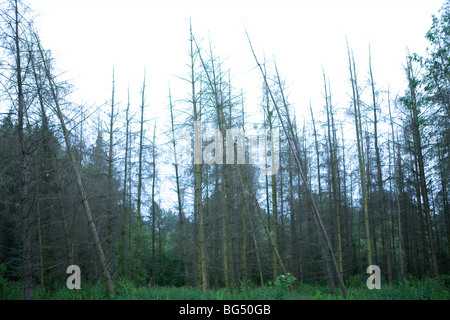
[88, 37]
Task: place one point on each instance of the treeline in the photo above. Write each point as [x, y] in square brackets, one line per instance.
[319, 204]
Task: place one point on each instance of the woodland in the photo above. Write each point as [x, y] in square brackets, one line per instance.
[304, 221]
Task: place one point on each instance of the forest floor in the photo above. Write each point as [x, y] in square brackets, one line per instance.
[424, 289]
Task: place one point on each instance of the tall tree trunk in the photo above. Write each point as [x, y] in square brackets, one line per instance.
[38, 214]
[49, 149]
[292, 225]
[198, 166]
[334, 174]
[247, 216]
[245, 212]
[139, 233]
[154, 268]
[24, 205]
[86, 207]
[316, 144]
[274, 221]
[397, 198]
[359, 141]
[181, 217]
[110, 174]
[381, 199]
[443, 176]
[124, 193]
[418, 147]
[198, 170]
[294, 149]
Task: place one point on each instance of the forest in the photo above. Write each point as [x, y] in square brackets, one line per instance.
[264, 207]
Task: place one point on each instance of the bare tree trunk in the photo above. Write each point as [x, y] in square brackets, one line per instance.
[294, 149]
[274, 221]
[139, 234]
[46, 142]
[397, 196]
[38, 214]
[334, 175]
[110, 174]
[359, 141]
[24, 205]
[124, 194]
[381, 199]
[418, 147]
[87, 209]
[181, 216]
[153, 208]
[443, 177]
[316, 144]
[198, 174]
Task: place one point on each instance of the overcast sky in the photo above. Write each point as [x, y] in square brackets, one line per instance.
[88, 37]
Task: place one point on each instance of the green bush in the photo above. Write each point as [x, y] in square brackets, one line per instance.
[445, 280]
[281, 285]
[355, 281]
[124, 289]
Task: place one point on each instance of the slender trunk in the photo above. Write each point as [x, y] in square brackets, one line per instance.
[24, 205]
[294, 246]
[345, 213]
[86, 207]
[274, 221]
[418, 147]
[443, 176]
[198, 168]
[308, 191]
[334, 175]
[263, 221]
[139, 234]
[38, 214]
[110, 174]
[181, 217]
[153, 208]
[316, 144]
[255, 242]
[124, 194]
[46, 142]
[247, 216]
[381, 199]
[359, 141]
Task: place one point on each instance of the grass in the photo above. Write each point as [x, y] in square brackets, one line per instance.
[412, 289]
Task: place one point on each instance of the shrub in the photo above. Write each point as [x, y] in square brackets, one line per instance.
[355, 281]
[282, 284]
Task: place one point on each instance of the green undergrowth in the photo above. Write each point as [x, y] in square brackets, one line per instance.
[411, 289]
